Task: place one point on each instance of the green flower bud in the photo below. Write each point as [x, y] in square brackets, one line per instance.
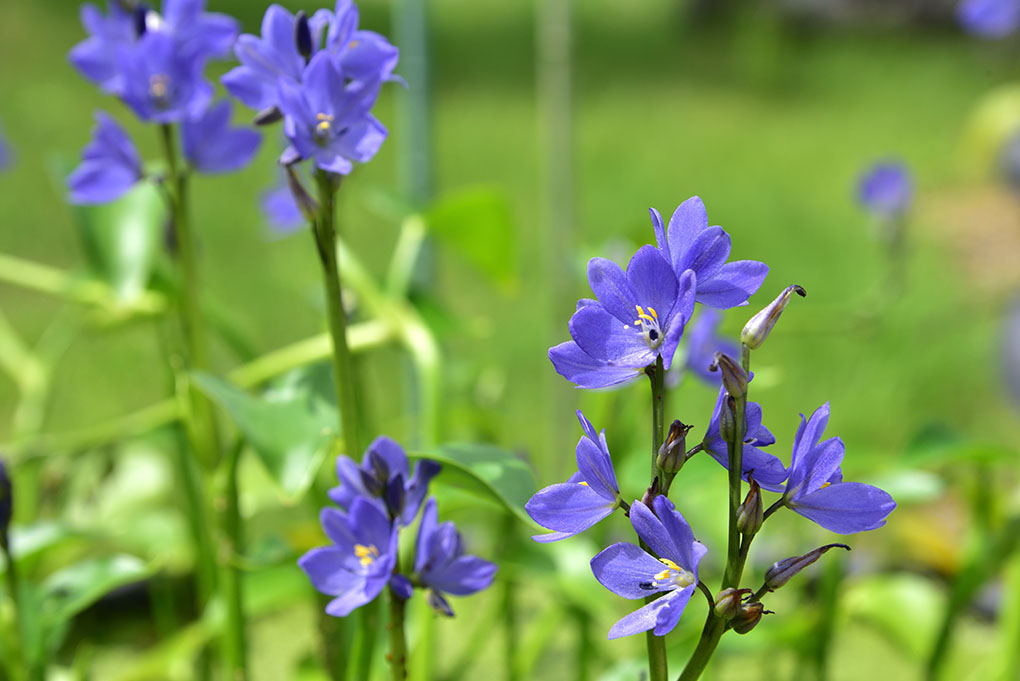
[673, 452]
[782, 571]
[751, 514]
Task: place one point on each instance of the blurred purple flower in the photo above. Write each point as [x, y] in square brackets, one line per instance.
[384, 472]
[6, 155]
[363, 57]
[212, 146]
[588, 496]
[281, 210]
[639, 315]
[690, 244]
[767, 470]
[327, 119]
[159, 82]
[989, 18]
[816, 489]
[110, 164]
[196, 35]
[360, 562]
[703, 343]
[631, 572]
[440, 563]
[886, 189]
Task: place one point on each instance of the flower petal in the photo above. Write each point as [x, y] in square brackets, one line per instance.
[650, 529]
[596, 468]
[643, 619]
[846, 507]
[706, 254]
[612, 287]
[568, 508]
[817, 467]
[809, 433]
[464, 576]
[679, 532]
[605, 338]
[653, 282]
[733, 284]
[688, 221]
[326, 567]
[583, 370]
[669, 613]
[623, 568]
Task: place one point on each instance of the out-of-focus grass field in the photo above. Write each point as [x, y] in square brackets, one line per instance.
[770, 125]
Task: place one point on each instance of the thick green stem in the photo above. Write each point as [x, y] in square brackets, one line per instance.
[657, 666]
[325, 237]
[27, 666]
[398, 639]
[231, 546]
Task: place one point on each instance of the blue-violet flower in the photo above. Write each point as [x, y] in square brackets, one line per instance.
[212, 146]
[588, 496]
[767, 470]
[703, 342]
[630, 571]
[110, 164]
[989, 18]
[886, 189]
[160, 83]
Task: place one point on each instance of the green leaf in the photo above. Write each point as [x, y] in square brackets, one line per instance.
[489, 471]
[69, 591]
[292, 427]
[121, 238]
[476, 222]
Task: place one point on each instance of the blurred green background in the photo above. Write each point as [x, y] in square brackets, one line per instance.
[770, 118]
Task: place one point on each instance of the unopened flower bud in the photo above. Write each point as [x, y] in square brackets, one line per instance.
[728, 602]
[748, 617]
[673, 452]
[781, 571]
[759, 326]
[728, 421]
[6, 504]
[268, 116]
[751, 514]
[308, 205]
[734, 378]
[303, 35]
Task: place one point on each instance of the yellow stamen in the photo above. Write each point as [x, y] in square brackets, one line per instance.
[824, 485]
[652, 310]
[660, 576]
[670, 564]
[351, 45]
[583, 483]
[644, 315]
[366, 554]
[324, 123]
[159, 85]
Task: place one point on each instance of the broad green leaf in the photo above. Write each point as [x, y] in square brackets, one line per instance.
[476, 222]
[292, 427]
[490, 471]
[121, 238]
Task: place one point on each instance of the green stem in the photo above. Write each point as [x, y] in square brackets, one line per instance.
[325, 238]
[232, 544]
[28, 666]
[657, 665]
[715, 627]
[398, 640]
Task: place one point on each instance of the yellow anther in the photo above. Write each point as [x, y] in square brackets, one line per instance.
[366, 554]
[583, 483]
[159, 85]
[824, 485]
[325, 120]
[351, 45]
[642, 315]
[660, 576]
[652, 310]
[670, 564]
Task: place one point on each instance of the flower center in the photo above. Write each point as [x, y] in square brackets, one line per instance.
[366, 554]
[324, 125]
[673, 575]
[647, 324]
[159, 88]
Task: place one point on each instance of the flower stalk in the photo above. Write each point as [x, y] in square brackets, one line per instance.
[658, 669]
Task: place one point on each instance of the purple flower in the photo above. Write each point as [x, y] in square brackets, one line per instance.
[196, 35]
[690, 244]
[440, 563]
[767, 470]
[359, 563]
[212, 146]
[588, 496]
[702, 344]
[639, 316]
[630, 571]
[281, 210]
[383, 476]
[159, 82]
[110, 164]
[327, 119]
[6, 156]
[886, 189]
[989, 18]
[816, 489]
[363, 57]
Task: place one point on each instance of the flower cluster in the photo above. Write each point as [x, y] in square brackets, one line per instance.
[633, 327]
[154, 63]
[639, 315]
[322, 75]
[375, 500]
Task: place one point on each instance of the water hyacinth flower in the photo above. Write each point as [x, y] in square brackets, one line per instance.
[160, 83]
[327, 119]
[639, 315]
[703, 342]
[441, 565]
[212, 146]
[886, 189]
[816, 489]
[767, 470]
[362, 56]
[588, 496]
[195, 33]
[110, 164]
[630, 571]
[990, 19]
[360, 562]
[384, 472]
[688, 243]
